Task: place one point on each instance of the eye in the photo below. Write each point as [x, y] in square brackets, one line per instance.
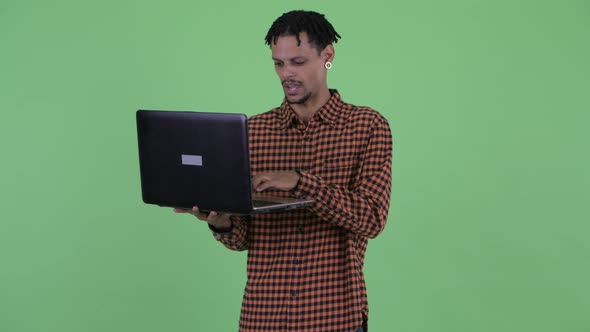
[278, 64]
[298, 63]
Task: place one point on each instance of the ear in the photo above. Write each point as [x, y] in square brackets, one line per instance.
[328, 53]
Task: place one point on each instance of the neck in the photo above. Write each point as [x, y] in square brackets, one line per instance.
[306, 111]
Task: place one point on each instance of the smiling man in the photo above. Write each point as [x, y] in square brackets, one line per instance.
[305, 267]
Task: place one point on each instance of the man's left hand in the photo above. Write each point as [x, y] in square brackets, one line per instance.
[275, 180]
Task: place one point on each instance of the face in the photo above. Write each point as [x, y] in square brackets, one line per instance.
[300, 68]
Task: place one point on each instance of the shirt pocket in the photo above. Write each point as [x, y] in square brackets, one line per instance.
[340, 170]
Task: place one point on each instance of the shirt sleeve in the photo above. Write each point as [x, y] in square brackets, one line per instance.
[363, 208]
[236, 237]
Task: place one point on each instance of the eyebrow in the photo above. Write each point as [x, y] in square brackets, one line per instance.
[292, 59]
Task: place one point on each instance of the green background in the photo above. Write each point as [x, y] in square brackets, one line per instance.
[488, 102]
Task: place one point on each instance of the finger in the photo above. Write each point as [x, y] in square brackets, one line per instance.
[213, 217]
[258, 179]
[181, 210]
[216, 216]
[219, 219]
[202, 216]
[264, 185]
[255, 181]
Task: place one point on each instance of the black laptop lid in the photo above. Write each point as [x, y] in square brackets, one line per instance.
[193, 158]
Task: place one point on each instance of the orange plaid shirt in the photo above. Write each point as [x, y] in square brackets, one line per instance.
[305, 267]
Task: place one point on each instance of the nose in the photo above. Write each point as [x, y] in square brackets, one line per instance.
[290, 71]
[287, 71]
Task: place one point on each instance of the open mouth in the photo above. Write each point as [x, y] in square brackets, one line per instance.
[292, 87]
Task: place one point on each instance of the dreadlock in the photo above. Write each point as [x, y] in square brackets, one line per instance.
[320, 32]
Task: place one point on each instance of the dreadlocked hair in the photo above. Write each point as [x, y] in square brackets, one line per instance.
[320, 32]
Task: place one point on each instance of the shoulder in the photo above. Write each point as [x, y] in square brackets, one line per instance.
[268, 119]
[363, 115]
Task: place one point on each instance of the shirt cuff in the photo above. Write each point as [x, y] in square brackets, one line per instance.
[224, 232]
[308, 185]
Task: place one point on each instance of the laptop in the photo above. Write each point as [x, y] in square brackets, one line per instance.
[200, 159]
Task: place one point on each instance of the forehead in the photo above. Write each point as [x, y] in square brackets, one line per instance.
[286, 46]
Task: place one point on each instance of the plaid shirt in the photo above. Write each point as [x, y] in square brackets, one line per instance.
[305, 267]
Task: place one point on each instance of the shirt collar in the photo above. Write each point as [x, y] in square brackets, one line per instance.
[327, 113]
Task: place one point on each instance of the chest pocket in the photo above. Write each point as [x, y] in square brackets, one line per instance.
[340, 170]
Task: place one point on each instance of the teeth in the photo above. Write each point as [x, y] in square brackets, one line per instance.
[292, 87]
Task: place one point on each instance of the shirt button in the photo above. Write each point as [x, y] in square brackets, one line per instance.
[300, 230]
[307, 139]
[293, 293]
[296, 262]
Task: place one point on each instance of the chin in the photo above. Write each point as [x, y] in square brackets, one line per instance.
[298, 100]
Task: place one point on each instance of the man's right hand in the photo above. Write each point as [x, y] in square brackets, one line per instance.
[219, 221]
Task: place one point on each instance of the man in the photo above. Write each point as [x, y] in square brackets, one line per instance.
[305, 267]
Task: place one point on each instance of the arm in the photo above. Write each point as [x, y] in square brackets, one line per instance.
[362, 209]
[229, 230]
[234, 238]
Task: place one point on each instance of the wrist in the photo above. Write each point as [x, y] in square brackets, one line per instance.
[299, 176]
[222, 226]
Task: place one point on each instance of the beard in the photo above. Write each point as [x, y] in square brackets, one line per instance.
[301, 100]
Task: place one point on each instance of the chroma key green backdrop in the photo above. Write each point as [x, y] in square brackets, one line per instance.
[489, 106]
